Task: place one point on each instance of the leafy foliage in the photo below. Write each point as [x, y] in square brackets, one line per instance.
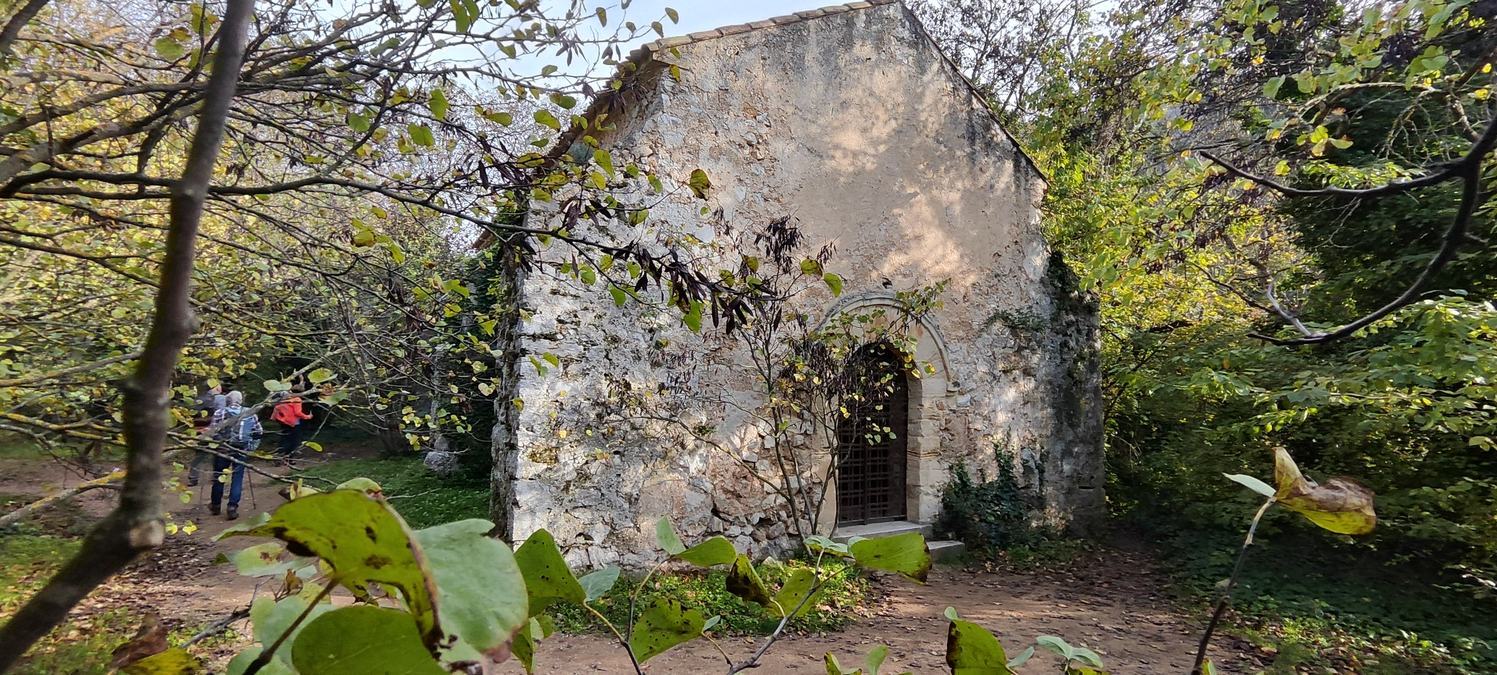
[985, 514]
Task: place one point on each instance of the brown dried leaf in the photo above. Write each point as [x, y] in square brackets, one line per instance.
[1340, 505]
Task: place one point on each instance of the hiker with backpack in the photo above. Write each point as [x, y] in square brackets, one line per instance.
[290, 414]
[204, 407]
[240, 429]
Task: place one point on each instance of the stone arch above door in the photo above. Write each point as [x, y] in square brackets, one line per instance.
[930, 396]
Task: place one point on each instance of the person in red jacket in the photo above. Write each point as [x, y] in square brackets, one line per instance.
[289, 413]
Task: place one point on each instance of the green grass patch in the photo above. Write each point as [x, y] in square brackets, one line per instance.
[20, 447]
[82, 644]
[707, 593]
[421, 497]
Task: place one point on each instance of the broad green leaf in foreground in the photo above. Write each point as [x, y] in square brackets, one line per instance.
[266, 560]
[665, 535]
[710, 553]
[481, 596]
[1340, 505]
[905, 554]
[362, 639]
[270, 618]
[972, 650]
[599, 581]
[523, 647]
[547, 578]
[663, 625]
[799, 594]
[743, 581]
[363, 540]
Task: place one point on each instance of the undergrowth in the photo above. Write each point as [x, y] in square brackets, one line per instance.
[422, 498]
[1321, 606]
[707, 592]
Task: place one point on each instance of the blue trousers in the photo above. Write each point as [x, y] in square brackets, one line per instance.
[236, 477]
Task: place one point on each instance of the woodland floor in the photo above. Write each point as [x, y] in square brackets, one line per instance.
[1111, 599]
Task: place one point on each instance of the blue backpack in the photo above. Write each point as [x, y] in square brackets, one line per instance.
[241, 432]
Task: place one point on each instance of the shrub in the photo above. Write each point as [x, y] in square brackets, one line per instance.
[986, 515]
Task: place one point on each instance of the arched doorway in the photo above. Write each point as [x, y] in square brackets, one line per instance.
[872, 447]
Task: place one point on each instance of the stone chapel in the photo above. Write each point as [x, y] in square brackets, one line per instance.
[850, 120]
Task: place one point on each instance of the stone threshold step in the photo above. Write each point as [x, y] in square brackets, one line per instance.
[876, 530]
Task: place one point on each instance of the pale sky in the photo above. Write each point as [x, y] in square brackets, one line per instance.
[697, 15]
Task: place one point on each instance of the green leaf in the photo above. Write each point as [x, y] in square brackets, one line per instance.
[528, 638]
[663, 625]
[675, 18]
[363, 540]
[666, 537]
[875, 659]
[168, 48]
[547, 578]
[438, 104]
[833, 282]
[699, 183]
[905, 554]
[620, 296]
[810, 267]
[1087, 656]
[274, 386]
[546, 119]
[363, 236]
[710, 553]
[602, 16]
[599, 582]
[693, 318]
[481, 597]
[604, 160]
[173, 661]
[264, 560]
[564, 101]
[817, 544]
[320, 375]
[1251, 483]
[1272, 86]
[1339, 505]
[1055, 644]
[357, 122]
[362, 639]
[1022, 658]
[833, 667]
[421, 135]
[269, 619]
[743, 581]
[799, 593]
[972, 650]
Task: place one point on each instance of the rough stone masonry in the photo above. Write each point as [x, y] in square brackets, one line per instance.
[852, 122]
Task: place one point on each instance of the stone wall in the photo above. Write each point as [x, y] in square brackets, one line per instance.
[854, 125]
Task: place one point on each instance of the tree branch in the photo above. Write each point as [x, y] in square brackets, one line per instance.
[1467, 169]
[136, 524]
[13, 27]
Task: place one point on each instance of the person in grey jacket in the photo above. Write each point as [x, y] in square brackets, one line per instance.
[204, 407]
[240, 430]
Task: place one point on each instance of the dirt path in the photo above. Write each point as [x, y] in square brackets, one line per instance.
[1111, 601]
